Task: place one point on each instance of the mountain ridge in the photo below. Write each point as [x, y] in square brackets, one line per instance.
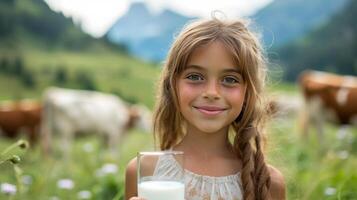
[147, 37]
[282, 21]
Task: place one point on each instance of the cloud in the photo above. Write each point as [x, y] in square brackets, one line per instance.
[97, 16]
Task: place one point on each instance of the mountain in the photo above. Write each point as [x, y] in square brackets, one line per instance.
[331, 47]
[283, 21]
[147, 35]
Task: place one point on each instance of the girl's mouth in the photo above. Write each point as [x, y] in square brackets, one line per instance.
[210, 110]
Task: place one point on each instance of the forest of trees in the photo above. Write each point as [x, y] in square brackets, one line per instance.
[332, 47]
[34, 20]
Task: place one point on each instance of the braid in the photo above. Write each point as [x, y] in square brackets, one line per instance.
[255, 174]
[247, 156]
[262, 175]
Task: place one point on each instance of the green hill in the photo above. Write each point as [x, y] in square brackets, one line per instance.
[39, 48]
[332, 47]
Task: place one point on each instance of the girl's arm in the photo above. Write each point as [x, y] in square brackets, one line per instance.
[277, 187]
[131, 180]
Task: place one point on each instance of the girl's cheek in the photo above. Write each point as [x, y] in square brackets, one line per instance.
[232, 91]
[189, 89]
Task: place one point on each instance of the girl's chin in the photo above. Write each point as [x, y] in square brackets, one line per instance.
[210, 129]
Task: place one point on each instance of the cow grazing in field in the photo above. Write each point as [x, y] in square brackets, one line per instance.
[73, 112]
[328, 97]
[19, 116]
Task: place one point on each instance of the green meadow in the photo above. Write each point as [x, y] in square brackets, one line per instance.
[129, 78]
[313, 169]
[40, 48]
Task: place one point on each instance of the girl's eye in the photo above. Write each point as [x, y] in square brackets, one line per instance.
[229, 80]
[194, 77]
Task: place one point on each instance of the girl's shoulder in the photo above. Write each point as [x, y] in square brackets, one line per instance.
[277, 187]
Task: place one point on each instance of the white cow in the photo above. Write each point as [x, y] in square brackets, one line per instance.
[68, 112]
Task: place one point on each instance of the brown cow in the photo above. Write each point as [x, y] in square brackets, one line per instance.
[328, 97]
[22, 115]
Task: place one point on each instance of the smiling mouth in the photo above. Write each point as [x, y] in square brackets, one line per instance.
[209, 110]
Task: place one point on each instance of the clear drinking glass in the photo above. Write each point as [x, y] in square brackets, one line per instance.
[154, 181]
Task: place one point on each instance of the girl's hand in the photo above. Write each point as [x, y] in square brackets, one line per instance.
[136, 198]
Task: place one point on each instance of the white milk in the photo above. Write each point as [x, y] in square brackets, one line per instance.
[161, 190]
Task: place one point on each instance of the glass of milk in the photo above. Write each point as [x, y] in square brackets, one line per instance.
[161, 175]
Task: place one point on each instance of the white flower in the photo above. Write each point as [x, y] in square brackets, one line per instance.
[84, 194]
[8, 188]
[27, 179]
[66, 184]
[330, 191]
[109, 168]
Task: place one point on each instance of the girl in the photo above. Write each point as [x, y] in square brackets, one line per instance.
[210, 106]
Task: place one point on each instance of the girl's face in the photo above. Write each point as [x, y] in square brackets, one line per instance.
[211, 89]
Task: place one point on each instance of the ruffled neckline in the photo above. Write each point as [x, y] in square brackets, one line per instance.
[217, 179]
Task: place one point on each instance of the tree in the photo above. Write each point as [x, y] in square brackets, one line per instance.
[61, 76]
[85, 81]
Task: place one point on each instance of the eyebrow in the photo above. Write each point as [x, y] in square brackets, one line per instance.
[198, 67]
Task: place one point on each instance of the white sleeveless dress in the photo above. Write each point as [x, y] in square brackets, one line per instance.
[200, 187]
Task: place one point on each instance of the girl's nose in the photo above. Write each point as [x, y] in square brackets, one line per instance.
[212, 91]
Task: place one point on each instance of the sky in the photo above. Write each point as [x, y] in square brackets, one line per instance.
[97, 16]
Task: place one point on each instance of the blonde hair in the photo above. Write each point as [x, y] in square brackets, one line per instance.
[248, 127]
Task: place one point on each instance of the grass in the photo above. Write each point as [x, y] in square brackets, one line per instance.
[111, 72]
[84, 167]
[312, 169]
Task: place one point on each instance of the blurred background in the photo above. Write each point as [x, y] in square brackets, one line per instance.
[114, 49]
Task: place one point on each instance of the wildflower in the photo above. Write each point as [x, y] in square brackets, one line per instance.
[26, 179]
[329, 191]
[84, 194]
[14, 159]
[23, 144]
[8, 188]
[66, 184]
[109, 168]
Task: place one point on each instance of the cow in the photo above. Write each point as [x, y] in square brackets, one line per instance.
[18, 116]
[328, 97]
[69, 112]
